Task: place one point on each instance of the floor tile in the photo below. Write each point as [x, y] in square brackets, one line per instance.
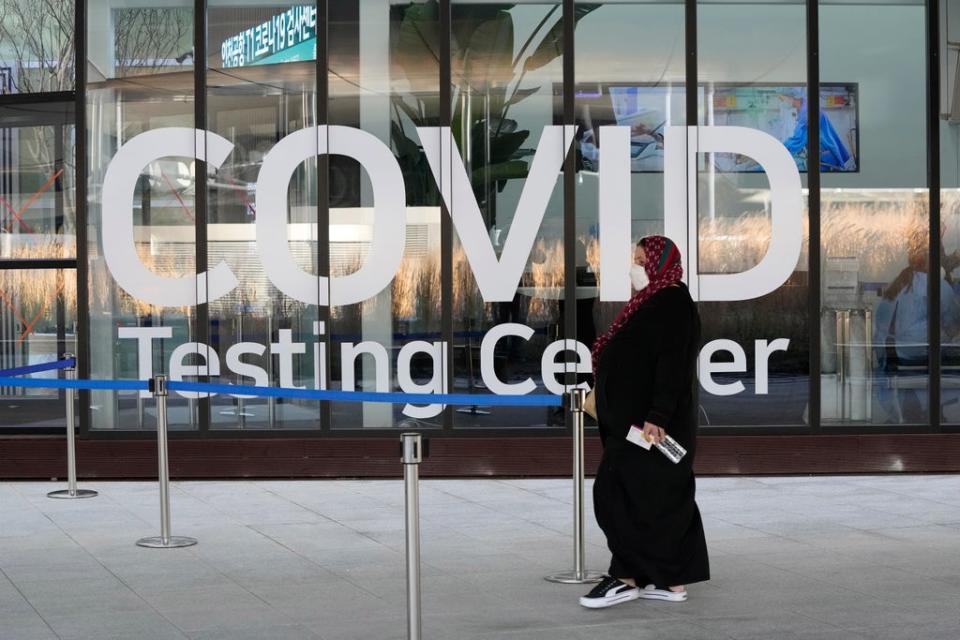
[811, 558]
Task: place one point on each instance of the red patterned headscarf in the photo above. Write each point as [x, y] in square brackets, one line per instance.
[663, 267]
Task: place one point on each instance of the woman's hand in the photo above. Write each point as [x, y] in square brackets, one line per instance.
[653, 433]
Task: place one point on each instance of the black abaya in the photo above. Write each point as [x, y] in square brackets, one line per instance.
[643, 502]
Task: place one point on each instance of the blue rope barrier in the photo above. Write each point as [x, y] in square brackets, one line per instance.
[37, 368]
[109, 385]
[469, 399]
[486, 400]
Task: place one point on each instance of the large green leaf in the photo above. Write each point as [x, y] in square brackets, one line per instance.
[403, 145]
[466, 18]
[501, 172]
[417, 176]
[503, 125]
[551, 46]
[487, 59]
[416, 44]
[504, 146]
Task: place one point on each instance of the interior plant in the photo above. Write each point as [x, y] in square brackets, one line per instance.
[488, 70]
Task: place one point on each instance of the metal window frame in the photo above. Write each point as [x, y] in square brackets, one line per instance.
[39, 263]
[569, 318]
[82, 212]
[323, 195]
[933, 195]
[813, 215]
[201, 199]
[49, 97]
[692, 116]
[446, 222]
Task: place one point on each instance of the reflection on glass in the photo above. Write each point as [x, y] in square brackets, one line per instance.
[875, 224]
[261, 87]
[36, 46]
[37, 181]
[126, 40]
[506, 61]
[384, 80]
[643, 90]
[140, 79]
[949, 209]
[752, 69]
[38, 320]
[950, 265]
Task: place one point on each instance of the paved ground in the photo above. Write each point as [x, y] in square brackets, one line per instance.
[792, 558]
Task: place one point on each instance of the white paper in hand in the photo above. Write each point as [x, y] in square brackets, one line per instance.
[635, 435]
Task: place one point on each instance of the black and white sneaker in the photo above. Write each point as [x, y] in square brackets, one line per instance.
[609, 592]
[653, 592]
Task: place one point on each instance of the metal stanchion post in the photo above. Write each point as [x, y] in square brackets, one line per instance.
[579, 575]
[164, 540]
[139, 394]
[411, 456]
[71, 491]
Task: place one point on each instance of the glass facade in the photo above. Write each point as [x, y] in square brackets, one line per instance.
[752, 73]
[253, 108]
[426, 196]
[38, 249]
[139, 78]
[875, 226]
[506, 60]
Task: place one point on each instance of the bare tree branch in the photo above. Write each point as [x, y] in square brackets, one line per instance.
[39, 33]
[149, 39]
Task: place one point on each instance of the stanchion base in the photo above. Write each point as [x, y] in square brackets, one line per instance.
[64, 494]
[570, 577]
[174, 542]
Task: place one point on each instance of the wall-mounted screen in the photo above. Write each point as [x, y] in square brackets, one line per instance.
[646, 109]
[778, 109]
[781, 111]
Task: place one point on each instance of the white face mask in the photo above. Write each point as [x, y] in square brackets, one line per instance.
[638, 276]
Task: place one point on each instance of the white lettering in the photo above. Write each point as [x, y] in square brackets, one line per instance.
[319, 356]
[708, 367]
[285, 349]
[550, 367]
[116, 225]
[348, 356]
[236, 365]
[488, 372]
[497, 279]
[616, 254]
[681, 146]
[389, 215]
[762, 352]
[438, 354]
[210, 367]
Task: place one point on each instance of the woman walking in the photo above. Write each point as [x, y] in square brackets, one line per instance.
[645, 372]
